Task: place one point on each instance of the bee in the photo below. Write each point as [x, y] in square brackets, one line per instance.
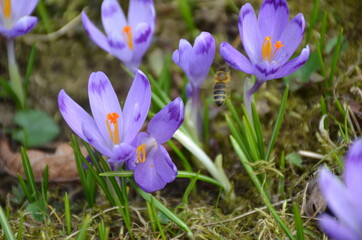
[221, 80]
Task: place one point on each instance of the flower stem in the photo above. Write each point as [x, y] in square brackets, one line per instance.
[15, 78]
[215, 172]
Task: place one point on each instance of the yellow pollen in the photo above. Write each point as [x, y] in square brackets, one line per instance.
[112, 120]
[6, 6]
[127, 34]
[141, 153]
[266, 49]
[277, 45]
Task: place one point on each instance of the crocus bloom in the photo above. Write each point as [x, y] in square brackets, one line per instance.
[14, 17]
[110, 131]
[196, 61]
[126, 39]
[153, 167]
[269, 41]
[344, 200]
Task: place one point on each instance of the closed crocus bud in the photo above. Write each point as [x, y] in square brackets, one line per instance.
[196, 60]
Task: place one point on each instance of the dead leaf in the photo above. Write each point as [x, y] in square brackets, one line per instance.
[61, 163]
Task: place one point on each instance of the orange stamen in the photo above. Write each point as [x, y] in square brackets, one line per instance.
[112, 119]
[266, 49]
[127, 34]
[141, 153]
[6, 6]
[277, 45]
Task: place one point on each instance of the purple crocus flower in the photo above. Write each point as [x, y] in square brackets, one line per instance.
[153, 167]
[344, 200]
[269, 41]
[14, 17]
[126, 39]
[110, 131]
[196, 61]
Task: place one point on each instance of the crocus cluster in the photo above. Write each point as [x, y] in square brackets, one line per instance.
[269, 41]
[344, 199]
[114, 131]
[126, 39]
[14, 17]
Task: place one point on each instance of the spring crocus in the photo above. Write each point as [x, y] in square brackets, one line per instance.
[195, 61]
[269, 41]
[126, 39]
[14, 17]
[344, 199]
[111, 130]
[153, 167]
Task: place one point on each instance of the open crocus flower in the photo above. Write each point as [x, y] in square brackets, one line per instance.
[14, 17]
[153, 167]
[196, 61]
[129, 39]
[269, 41]
[344, 200]
[110, 130]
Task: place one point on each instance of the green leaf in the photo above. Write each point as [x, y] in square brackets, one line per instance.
[37, 128]
[294, 159]
[37, 209]
[304, 73]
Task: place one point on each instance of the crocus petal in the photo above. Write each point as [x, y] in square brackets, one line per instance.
[141, 11]
[336, 230]
[249, 33]
[138, 140]
[294, 64]
[353, 170]
[118, 47]
[142, 39]
[235, 59]
[74, 115]
[97, 36]
[273, 18]
[182, 55]
[203, 52]
[113, 18]
[95, 138]
[103, 100]
[147, 177]
[266, 70]
[165, 168]
[290, 38]
[165, 123]
[26, 7]
[338, 198]
[136, 106]
[22, 26]
[122, 153]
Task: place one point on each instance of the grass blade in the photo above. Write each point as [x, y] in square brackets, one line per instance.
[5, 225]
[298, 222]
[29, 173]
[83, 229]
[67, 214]
[29, 68]
[277, 123]
[44, 184]
[257, 184]
[155, 217]
[335, 59]
[163, 209]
